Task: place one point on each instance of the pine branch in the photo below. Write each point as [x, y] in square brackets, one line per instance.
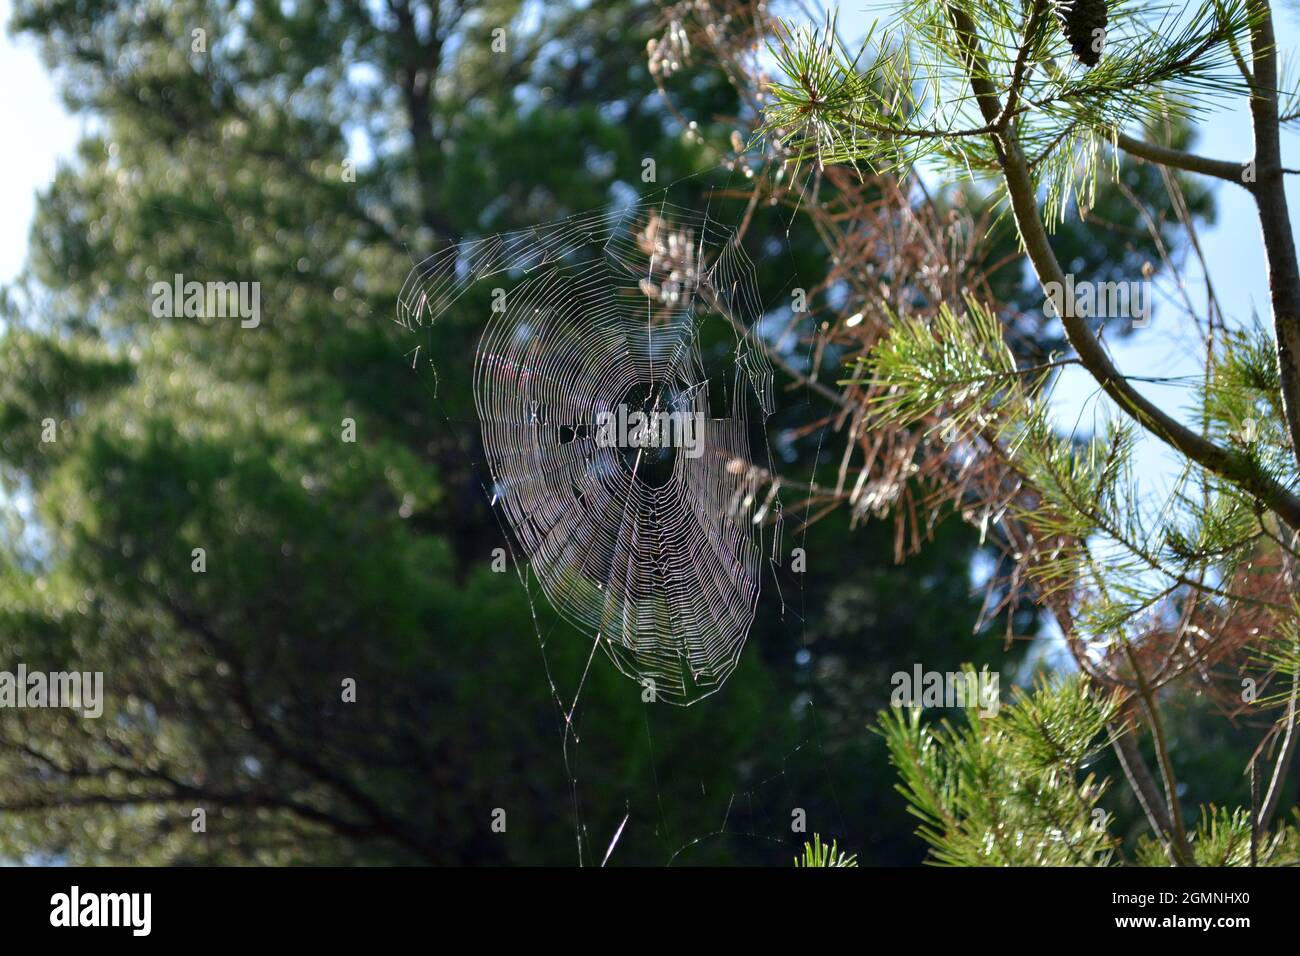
[1278, 780]
[1143, 784]
[1274, 218]
[1005, 789]
[1182, 851]
[1024, 203]
[1164, 156]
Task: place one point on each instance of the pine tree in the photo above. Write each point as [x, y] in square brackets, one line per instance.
[1194, 594]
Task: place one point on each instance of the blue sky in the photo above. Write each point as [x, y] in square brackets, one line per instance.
[40, 132]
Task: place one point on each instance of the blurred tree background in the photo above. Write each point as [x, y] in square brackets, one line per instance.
[329, 560]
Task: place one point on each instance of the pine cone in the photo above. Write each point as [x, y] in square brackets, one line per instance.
[1080, 19]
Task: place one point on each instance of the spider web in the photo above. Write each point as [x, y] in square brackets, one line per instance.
[654, 554]
[568, 246]
[664, 576]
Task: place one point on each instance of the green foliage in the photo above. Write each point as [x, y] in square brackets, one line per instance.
[955, 364]
[910, 101]
[328, 560]
[1151, 591]
[1009, 790]
[1223, 838]
[1085, 498]
[819, 854]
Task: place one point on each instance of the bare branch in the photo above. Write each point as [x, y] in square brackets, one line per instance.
[1218, 168]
